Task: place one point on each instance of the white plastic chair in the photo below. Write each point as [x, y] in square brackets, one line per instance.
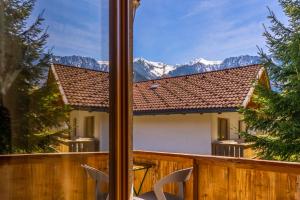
[180, 177]
[99, 177]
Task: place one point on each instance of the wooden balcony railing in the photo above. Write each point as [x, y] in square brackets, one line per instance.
[77, 145]
[59, 176]
[232, 149]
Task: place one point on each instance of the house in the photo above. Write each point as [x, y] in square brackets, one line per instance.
[185, 114]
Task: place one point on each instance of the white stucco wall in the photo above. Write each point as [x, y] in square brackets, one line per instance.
[233, 118]
[80, 115]
[104, 139]
[182, 133]
[101, 126]
[188, 133]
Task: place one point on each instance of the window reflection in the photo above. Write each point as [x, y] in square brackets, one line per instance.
[35, 112]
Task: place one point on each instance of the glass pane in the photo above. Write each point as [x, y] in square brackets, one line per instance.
[194, 65]
[223, 129]
[194, 62]
[54, 98]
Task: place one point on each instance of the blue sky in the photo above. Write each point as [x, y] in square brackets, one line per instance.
[171, 31]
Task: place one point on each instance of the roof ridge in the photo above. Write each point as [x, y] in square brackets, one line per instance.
[164, 78]
[194, 74]
[81, 68]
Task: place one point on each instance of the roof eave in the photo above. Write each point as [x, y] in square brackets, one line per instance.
[90, 108]
[247, 100]
[61, 89]
[161, 112]
[186, 111]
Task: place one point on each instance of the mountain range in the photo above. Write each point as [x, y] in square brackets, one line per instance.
[148, 70]
[81, 61]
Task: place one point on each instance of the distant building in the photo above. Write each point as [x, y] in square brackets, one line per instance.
[185, 114]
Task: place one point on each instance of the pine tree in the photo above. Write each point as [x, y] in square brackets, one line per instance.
[48, 116]
[26, 97]
[277, 112]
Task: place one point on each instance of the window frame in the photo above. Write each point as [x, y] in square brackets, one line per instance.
[74, 127]
[227, 134]
[241, 124]
[120, 99]
[89, 121]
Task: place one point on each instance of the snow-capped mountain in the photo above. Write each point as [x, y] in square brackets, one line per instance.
[81, 61]
[143, 69]
[240, 61]
[204, 61]
[147, 70]
[202, 65]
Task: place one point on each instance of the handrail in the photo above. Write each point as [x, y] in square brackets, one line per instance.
[232, 149]
[170, 154]
[274, 165]
[60, 154]
[78, 144]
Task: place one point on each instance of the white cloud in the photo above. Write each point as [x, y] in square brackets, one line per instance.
[228, 34]
[77, 40]
[204, 6]
[231, 40]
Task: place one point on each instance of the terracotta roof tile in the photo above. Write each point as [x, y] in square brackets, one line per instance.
[216, 90]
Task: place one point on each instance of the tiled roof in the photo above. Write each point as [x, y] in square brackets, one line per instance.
[223, 90]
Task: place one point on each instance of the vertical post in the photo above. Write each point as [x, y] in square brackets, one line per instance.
[196, 179]
[120, 99]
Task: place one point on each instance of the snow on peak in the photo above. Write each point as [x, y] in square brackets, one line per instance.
[157, 68]
[103, 62]
[205, 62]
[146, 70]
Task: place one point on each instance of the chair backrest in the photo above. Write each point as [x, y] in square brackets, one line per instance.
[99, 177]
[180, 177]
